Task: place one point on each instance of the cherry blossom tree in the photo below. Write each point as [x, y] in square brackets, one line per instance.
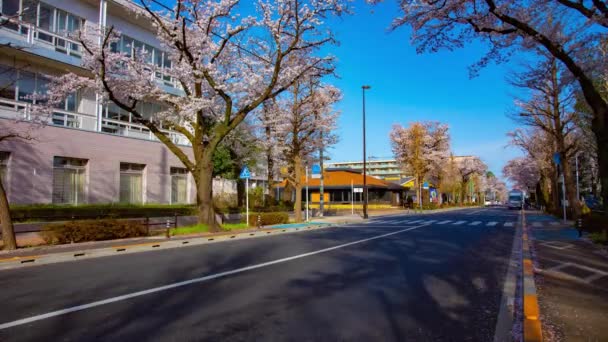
[539, 147]
[573, 32]
[304, 119]
[549, 107]
[468, 168]
[422, 148]
[522, 172]
[226, 66]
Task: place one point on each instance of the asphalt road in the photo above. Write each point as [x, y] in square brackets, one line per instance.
[391, 279]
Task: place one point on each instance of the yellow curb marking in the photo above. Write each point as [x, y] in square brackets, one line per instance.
[19, 258]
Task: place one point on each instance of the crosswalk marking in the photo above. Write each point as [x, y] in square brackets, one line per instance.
[431, 221]
[416, 221]
[509, 224]
[537, 224]
[554, 223]
[459, 223]
[491, 224]
[402, 221]
[475, 223]
[444, 222]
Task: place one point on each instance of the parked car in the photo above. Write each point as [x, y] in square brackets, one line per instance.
[487, 203]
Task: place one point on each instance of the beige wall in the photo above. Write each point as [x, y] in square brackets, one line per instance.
[31, 163]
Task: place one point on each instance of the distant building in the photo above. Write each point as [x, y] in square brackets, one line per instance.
[341, 186]
[387, 169]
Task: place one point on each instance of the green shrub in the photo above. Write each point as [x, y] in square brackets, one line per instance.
[430, 206]
[223, 202]
[268, 219]
[97, 211]
[595, 222]
[600, 237]
[93, 230]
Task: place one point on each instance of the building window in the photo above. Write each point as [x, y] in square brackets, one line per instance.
[4, 157]
[22, 86]
[69, 180]
[179, 185]
[132, 183]
[52, 24]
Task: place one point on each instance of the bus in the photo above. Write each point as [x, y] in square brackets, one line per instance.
[516, 199]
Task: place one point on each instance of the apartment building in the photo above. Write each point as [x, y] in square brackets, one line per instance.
[88, 151]
[387, 169]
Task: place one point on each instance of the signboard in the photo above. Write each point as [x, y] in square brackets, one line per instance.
[245, 174]
[316, 171]
[425, 185]
[358, 190]
[433, 195]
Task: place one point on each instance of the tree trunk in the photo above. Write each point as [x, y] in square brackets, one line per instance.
[602, 160]
[570, 188]
[240, 193]
[8, 232]
[270, 176]
[298, 188]
[204, 185]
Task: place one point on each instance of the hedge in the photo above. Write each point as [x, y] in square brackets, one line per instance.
[97, 230]
[268, 219]
[595, 223]
[96, 211]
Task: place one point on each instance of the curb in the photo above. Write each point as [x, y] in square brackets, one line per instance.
[118, 249]
[531, 315]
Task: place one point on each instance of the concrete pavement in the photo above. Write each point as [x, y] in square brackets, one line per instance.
[572, 276]
[420, 278]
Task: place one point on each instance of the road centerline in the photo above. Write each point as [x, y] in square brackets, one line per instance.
[91, 305]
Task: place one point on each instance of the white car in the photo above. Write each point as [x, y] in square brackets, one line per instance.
[487, 203]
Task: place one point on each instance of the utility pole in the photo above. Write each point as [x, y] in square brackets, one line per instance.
[578, 193]
[364, 88]
[321, 199]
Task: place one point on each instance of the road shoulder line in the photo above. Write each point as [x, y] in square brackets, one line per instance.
[506, 316]
[531, 315]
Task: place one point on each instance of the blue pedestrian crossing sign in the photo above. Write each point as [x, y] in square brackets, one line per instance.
[425, 185]
[316, 171]
[245, 174]
[556, 158]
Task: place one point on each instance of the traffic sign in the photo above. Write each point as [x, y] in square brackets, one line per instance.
[358, 189]
[556, 158]
[425, 185]
[245, 174]
[316, 171]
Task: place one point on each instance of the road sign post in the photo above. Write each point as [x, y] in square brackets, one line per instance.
[307, 193]
[245, 174]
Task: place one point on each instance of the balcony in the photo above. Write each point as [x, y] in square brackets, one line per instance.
[40, 41]
[23, 111]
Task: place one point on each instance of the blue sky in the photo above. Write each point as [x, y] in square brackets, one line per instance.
[408, 87]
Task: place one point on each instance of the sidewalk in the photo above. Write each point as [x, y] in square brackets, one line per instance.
[572, 281]
[68, 252]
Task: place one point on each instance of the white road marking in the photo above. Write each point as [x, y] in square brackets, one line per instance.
[475, 223]
[491, 224]
[509, 224]
[459, 223]
[430, 221]
[417, 221]
[537, 224]
[554, 223]
[444, 222]
[189, 282]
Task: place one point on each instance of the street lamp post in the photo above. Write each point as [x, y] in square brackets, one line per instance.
[578, 194]
[364, 88]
